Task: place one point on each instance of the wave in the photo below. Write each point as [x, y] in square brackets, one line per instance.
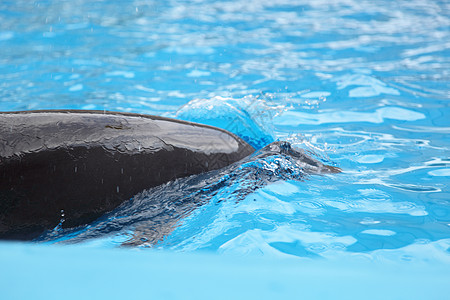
[154, 213]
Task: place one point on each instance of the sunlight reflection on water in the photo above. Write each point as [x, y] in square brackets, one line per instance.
[361, 84]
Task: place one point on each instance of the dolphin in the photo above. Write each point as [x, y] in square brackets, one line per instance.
[69, 167]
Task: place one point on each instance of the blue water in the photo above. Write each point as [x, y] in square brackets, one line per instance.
[363, 85]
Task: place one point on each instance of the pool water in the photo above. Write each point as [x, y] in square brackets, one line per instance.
[362, 85]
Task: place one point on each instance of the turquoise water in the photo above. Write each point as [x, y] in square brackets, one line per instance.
[363, 85]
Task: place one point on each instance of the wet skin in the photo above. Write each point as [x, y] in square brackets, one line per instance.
[84, 163]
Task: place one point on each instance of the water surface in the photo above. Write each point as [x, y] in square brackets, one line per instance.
[363, 85]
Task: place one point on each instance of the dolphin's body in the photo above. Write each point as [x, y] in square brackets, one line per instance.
[77, 165]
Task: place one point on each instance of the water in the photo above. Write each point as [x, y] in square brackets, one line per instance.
[363, 85]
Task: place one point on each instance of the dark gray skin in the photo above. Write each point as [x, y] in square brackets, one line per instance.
[154, 213]
[86, 163]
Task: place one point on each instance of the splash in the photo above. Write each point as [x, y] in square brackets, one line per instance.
[249, 117]
[154, 213]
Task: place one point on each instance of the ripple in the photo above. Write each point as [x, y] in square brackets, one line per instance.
[317, 94]
[426, 50]
[316, 205]
[282, 188]
[416, 252]
[370, 159]
[89, 106]
[317, 247]
[296, 118]
[377, 207]
[369, 86]
[76, 88]
[286, 240]
[369, 221]
[124, 74]
[198, 73]
[427, 129]
[375, 194]
[414, 187]
[440, 172]
[381, 232]
[190, 50]
[6, 35]
[369, 91]
[263, 202]
[77, 26]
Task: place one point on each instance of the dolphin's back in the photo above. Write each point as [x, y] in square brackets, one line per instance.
[84, 163]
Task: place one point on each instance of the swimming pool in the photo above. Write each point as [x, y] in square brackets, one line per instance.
[363, 85]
